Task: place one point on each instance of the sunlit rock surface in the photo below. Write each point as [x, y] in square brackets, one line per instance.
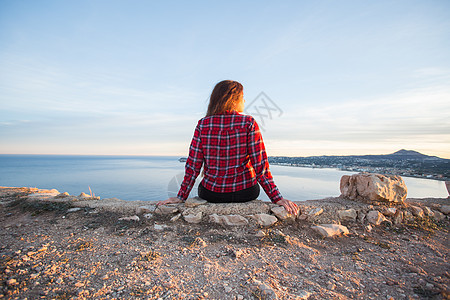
[373, 187]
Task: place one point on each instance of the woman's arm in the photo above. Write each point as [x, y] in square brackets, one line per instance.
[260, 163]
[258, 158]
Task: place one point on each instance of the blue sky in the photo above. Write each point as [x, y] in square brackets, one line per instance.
[133, 77]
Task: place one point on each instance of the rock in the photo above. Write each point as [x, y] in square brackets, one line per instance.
[415, 269]
[148, 216]
[198, 242]
[44, 194]
[398, 217]
[145, 209]
[281, 213]
[193, 202]
[315, 212]
[263, 291]
[438, 216]
[62, 195]
[427, 211]
[417, 211]
[330, 230]
[243, 209]
[260, 234]
[445, 209]
[429, 285]
[99, 230]
[386, 222]
[373, 187]
[73, 209]
[11, 282]
[407, 215]
[194, 218]
[166, 210]
[389, 211]
[361, 217]
[175, 218]
[159, 227]
[375, 217]
[236, 253]
[347, 215]
[230, 220]
[264, 219]
[132, 218]
[84, 196]
[302, 295]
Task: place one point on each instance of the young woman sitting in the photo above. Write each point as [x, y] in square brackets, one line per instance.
[231, 150]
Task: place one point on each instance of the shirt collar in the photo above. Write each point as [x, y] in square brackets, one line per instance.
[231, 112]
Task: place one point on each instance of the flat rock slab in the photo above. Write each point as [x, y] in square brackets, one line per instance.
[194, 218]
[229, 220]
[44, 194]
[111, 204]
[247, 208]
[330, 230]
[264, 219]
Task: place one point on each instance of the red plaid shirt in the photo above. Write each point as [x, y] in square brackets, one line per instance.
[232, 152]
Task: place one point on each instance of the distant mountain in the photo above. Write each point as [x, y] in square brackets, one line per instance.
[401, 155]
[408, 153]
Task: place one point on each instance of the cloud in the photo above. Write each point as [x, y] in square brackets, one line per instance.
[405, 118]
[46, 87]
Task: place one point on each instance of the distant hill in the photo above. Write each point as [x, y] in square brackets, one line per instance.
[401, 155]
[402, 162]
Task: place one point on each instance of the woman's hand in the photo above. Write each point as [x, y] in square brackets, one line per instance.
[290, 206]
[169, 201]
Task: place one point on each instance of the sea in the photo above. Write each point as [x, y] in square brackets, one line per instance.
[153, 178]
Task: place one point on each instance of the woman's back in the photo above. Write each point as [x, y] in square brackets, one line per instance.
[224, 141]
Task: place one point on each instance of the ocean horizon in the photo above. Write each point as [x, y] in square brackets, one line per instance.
[152, 178]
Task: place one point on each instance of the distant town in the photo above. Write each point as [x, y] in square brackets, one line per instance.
[404, 163]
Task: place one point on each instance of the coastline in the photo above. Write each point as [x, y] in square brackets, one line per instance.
[81, 249]
[363, 169]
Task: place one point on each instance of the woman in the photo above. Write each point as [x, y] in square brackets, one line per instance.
[230, 148]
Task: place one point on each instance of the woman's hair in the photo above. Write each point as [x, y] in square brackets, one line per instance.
[225, 96]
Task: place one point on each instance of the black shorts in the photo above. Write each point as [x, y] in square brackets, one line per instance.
[244, 195]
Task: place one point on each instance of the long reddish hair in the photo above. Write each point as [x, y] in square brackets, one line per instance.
[225, 96]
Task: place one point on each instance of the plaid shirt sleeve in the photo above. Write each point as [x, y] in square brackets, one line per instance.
[260, 163]
[193, 165]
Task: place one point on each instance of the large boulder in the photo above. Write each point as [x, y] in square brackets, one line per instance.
[373, 187]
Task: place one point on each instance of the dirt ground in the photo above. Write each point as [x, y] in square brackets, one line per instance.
[47, 252]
